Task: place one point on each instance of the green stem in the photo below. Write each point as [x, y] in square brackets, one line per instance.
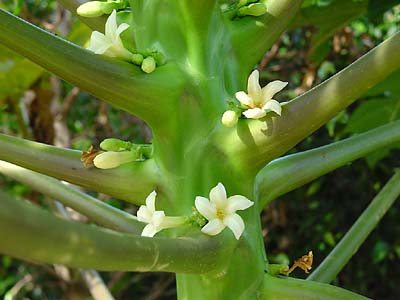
[253, 36]
[276, 178]
[99, 212]
[93, 23]
[253, 143]
[131, 182]
[295, 289]
[351, 242]
[119, 83]
[28, 232]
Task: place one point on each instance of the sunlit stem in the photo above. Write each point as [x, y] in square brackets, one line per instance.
[276, 178]
[97, 211]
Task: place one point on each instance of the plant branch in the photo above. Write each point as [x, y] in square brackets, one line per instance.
[119, 83]
[253, 36]
[295, 289]
[99, 212]
[131, 182]
[276, 178]
[253, 143]
[358, 233]
[28, 232]
[93, 23]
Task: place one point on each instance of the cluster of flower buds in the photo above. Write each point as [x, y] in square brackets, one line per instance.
[110, 43]
[117, 152]
[256, 103]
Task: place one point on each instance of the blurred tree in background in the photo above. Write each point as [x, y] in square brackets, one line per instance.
[37, 105]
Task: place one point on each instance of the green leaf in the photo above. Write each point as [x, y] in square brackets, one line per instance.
[17, 74]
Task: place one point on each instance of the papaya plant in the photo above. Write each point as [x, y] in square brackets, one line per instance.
[188, 69]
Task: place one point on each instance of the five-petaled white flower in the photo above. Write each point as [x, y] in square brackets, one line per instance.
[220, 211]
[156, 219]
[110, 43]
[259, 100]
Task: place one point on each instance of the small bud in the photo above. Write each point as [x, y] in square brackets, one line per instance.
[115, 145]
[255, 9]
[158, 56]
[230, 118]
[94, 9]
[111, 159]
[148, 64]
[242, 3]
[137, 59]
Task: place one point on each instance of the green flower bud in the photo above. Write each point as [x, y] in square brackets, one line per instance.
[115, 145]
[158, 56]
[242, 3]
[148, 64]
[137, 59]
[230, 118]
[255, 9]
[111, 159]
[94, 9]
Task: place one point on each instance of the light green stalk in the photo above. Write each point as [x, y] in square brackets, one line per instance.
[254, 143]
[277, 178]
[97, 211]
[28, 232]
[131, 182]
[119, 83]
[358, 233]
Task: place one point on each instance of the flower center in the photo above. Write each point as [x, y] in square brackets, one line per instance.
[220, 214]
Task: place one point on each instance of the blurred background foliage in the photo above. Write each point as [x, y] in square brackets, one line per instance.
[325, 36]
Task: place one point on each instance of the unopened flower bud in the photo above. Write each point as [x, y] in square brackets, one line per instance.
[95, 9]
[111, 159]
[137, 59]
[255, 9]
[148, 64]
[117, 145]
[230, 118]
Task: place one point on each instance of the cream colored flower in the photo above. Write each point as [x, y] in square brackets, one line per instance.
[220, 211]
[258, 101]
[156, 219]
[110, 43]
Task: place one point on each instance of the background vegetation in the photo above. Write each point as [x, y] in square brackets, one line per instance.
[325, 37]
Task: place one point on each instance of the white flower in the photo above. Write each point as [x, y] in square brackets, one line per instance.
[110, 44]
[259, 100]
[220, 211]
[156, 219]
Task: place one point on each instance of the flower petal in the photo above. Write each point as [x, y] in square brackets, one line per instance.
[235, 223]
[218, 196]
[205, 208]
[273, 105]
[254, 113]
[238, 202]
[144, 215]
[271, 89]
[98, 41]
[244, 99]
[213, 227]
[111, 26]
[149, 230]
[253, 87]
[151, 202]
[121, 28]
